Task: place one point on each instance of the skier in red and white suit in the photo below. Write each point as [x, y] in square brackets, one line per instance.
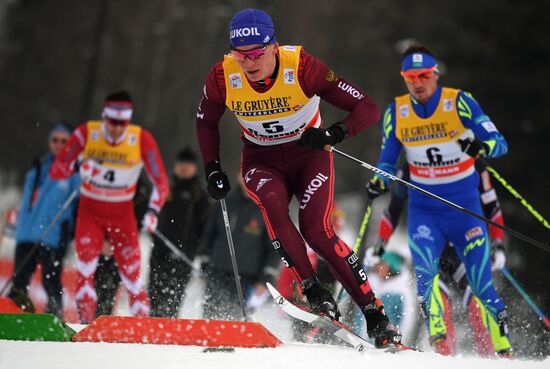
[112, 152]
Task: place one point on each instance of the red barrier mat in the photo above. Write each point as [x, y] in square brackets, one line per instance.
[7, 306]
[211, 333]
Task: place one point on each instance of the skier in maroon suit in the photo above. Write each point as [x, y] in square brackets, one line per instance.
[274, 92]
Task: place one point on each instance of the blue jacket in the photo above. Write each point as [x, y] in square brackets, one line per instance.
[35, 216]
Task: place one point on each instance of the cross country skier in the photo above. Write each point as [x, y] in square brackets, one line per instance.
[452, 273]
[274, 92]
[114, 152]
[443, 131]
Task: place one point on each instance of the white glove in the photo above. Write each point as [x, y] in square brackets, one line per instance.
[89, 169]
[498, 259]
[150, 221]
[371, 259]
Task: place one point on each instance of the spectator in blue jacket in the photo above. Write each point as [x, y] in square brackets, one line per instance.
[42, 200]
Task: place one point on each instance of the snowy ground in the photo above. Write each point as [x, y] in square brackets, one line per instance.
[51, 355]
[46, 355]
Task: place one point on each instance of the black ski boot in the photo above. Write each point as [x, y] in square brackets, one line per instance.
[379, 326]
[320, 300]
[22, 300]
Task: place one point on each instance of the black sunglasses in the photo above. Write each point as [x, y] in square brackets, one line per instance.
[59, 140]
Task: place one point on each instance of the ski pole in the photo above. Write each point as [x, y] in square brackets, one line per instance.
[43, 235]
[180, 254]
[514, 193]
[525, 296]
[358, 242]
[233, 258]
[362, 229]
[379, 171]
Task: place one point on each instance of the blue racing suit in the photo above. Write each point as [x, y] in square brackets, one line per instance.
[429, 134]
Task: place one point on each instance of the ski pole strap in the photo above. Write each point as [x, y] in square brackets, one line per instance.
[379, 171]
[525, 296]
[515, 193]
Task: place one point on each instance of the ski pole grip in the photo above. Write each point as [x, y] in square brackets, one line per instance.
[328, 148]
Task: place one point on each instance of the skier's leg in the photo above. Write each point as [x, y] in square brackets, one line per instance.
[313, 185]
[478, 319]
[270, 190]
[220, 296]
[167, 281]
[123, 236]
[106, 281]
[52, 267]
[21, 280]
[89, 239]
[443, 332]
[427, 242]
[314, 188]
[471, 241]
[158, 288]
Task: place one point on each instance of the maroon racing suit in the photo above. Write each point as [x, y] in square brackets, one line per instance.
[274, 173]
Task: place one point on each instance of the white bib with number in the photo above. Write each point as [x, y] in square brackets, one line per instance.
[278, 115]
[110, 172]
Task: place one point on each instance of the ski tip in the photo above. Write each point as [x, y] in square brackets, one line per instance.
[272, 290]
[277, 297]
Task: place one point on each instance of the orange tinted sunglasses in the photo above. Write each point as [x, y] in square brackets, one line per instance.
[421, 75]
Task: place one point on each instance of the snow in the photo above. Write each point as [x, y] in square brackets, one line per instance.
[83, 355]
[46, 355]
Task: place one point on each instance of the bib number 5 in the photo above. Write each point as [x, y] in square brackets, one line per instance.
[273, 127]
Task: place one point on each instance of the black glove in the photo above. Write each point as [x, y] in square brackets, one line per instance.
[376, 187]
[217, 183]
[473, 148]
[317, 138]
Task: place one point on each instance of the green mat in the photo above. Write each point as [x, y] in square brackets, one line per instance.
[34, 327]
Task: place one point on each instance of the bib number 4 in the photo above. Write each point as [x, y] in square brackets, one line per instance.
[109, 176]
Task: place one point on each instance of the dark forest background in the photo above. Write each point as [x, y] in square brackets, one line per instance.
[58, 60]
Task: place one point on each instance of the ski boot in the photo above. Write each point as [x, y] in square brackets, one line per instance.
[506, 353]
[379, 326]
[320, 300]
[502, 343]
[22, 300]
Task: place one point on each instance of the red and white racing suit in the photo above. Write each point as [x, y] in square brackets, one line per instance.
[109, 173]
